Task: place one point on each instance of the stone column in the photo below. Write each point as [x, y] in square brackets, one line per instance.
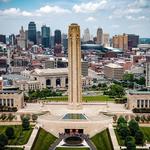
[63, 84]
[53, 82]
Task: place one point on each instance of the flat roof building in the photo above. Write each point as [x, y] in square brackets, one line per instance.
[113, 71]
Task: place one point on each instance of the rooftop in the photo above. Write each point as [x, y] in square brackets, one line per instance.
[112, 65]
[139, 92]
[51, 71]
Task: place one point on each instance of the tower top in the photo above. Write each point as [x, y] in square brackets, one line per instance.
[74, 24]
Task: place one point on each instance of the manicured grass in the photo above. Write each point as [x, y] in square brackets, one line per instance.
[102, 141]
[120, 140]
[62, 148]
[99, 98]
[21, 136]
[146, 131]
[43, 140]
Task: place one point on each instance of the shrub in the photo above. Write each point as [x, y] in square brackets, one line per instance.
[25, 124]
[139, 137]
[3, 141]
[137, 118]
[9, 132]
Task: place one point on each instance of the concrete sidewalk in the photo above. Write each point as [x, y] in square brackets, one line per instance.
[113, 137]
[32, 137]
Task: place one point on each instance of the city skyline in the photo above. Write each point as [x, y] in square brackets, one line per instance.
[107, 14]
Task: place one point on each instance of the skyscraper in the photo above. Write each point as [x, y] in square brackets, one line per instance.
[3, 38]
[65, 41]
[106, 39]
[32, 32]
[21, 41]
[45, 36]
[126, 41]
[99, 36]
[86, 35]
[74, 57]
[38, 37]
[12, 40]
[57, 37]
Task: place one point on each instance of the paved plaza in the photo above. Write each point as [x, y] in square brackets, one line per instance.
[96, 114]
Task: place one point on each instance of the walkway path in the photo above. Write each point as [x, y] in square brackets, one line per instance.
[30, 141]
[32, 137]
[92, 146]
[113, 137]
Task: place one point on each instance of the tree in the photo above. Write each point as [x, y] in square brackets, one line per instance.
[3, 141]
[128, 77]
[133, 127]
[139, 137]
[116, 90]
[127, 139]
[131, 145]
[25, 123]
[121, 120]
[141, 81]
[123, 130]
[10, 132]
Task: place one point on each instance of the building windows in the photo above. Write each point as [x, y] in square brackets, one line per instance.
[12, 102]
[8, 102]
[0, 102]
[142, 103]
[4, 102]
[146, 103]
[138, 103]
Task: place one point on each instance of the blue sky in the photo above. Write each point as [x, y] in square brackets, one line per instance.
[114, 16]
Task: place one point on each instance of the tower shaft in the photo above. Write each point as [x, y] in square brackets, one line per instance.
[74, 57]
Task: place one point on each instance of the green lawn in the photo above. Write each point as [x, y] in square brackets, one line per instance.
[43, 140]
[62, 148]
[146, 131]
[102, 141]
[21, 136]
[99, 98]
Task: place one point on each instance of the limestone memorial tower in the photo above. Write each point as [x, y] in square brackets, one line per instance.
[74, 64]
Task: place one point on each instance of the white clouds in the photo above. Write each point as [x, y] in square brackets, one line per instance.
[90, 7]
[139, 18]
[91, 19]
[47, 9]
[26, 14]
[10, 11]
[52, 9]
[115, 26]
[15, 12]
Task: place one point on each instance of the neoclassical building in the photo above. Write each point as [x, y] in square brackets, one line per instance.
[12, 98]
[56, 78]
[138, 99]
[48, 78]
